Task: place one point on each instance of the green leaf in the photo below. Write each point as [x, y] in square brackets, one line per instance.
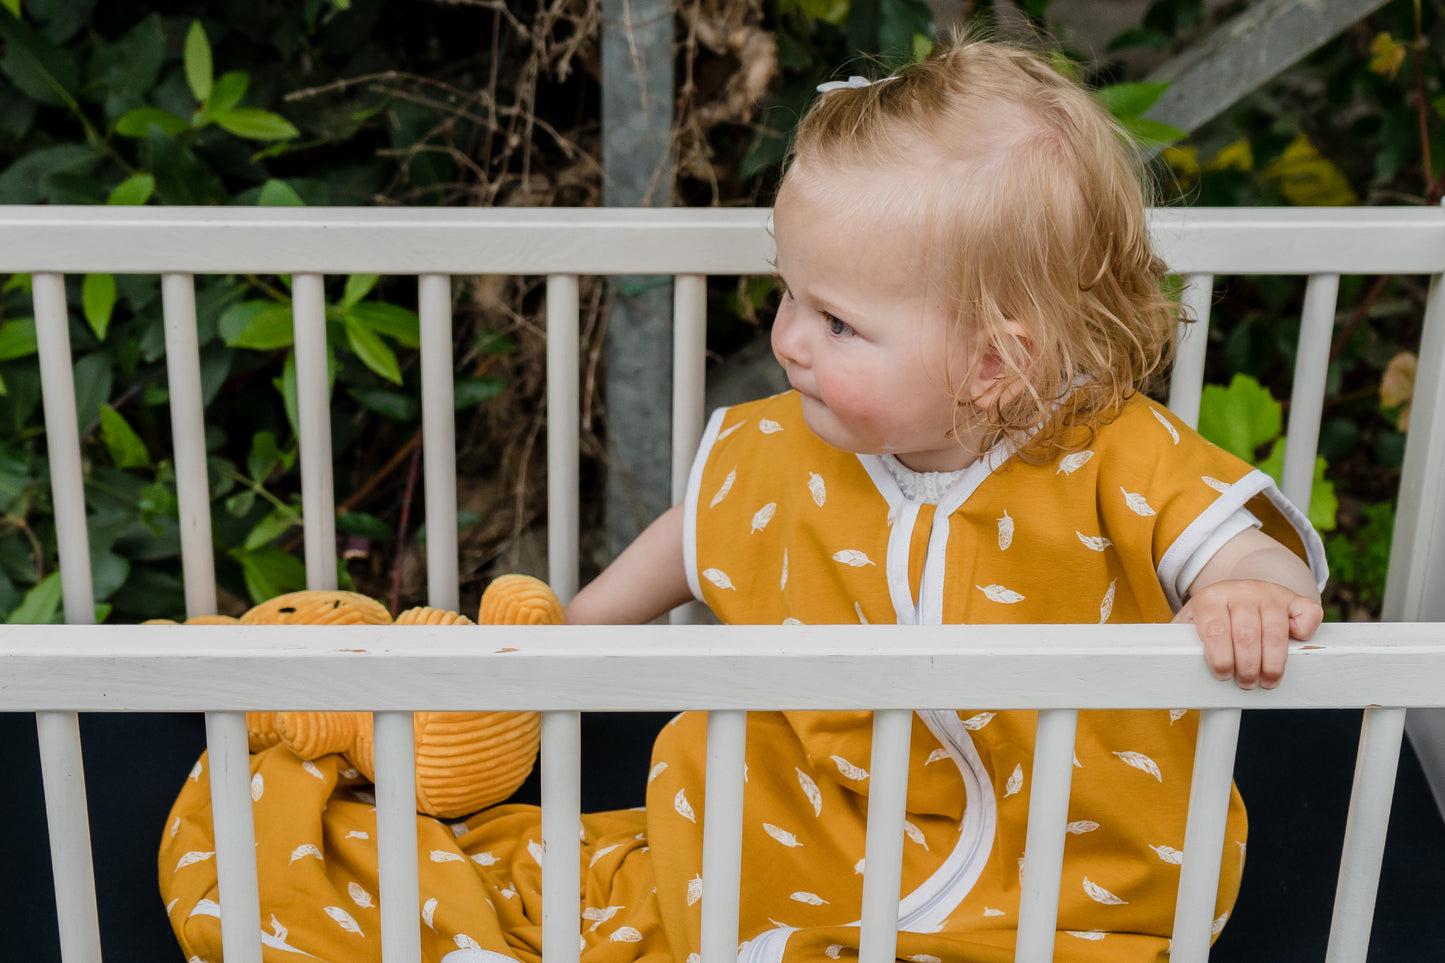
[255, 124]
[1324, 505]
[273, 526]
[392, 404]
[94, 375]
[474, 391]
[392, 320]
[126, 448]
[181, 176]
[17, 339]
[496, 342]
[266, 456]
[278, 193]
[241, 503]
[1142, 130]
[41, 604]
[1129, 100]
[228, 91]
[286, 386]
[367, 526]
[199, 71]
[258, 325]
[270, 572]
[40, 69]
[133, 190]
[25, 181]
[1241, 417]
[358, 286]
[1140, 37]
[12, 5]
[372, 351]
[138, 122]
[97, 298]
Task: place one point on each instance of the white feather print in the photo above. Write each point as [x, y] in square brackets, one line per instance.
[1015, 781]
[1167, 426]
[1086, 934]
[175, 827]
[1136, 502]
[936, 755]
[998, 593]
[536, 850]
[1176, 714]
[990, 911]
[810, 789]
[1073, 461]
[762, 516]
[811, 899]
[484, 859]
[1215, 483]
[358, 834]
[729, 430]
[172, 905]
[683, 807]
[277, 930]
[459, 830]
[305, 849]
[858, 868]
[718, 578]
[1077, 763]
[817, 488]
[625, 934]
[350, 772]
[768, 427]
[1106, 607]
[783, 582]
[792, 621]
[509, 892]
[694, 890]
[862, 619]
[1218, 924]
[1099, 894]
[781, 835]
[1141, 762]
[310, 767]
[206, 907]
[1005, 531]
[976, 722]
[915, 834]
[465, 942]
[849, 770]
[834, 951]
[853, 557]
[924, 958]
[599, 915]
[1080, 826]
[364, 796]
[195, 771]
[428, 911]
[442, 856]
[656, 771]
[694, 958]
[343, 919]
[600, 853]
[359, 895]
[258, 787]
[1168, 853]
[724, 488]
[1096, 542]
[193, 857]
[1240, 843]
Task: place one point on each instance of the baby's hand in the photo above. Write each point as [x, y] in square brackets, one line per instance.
[1246, 625]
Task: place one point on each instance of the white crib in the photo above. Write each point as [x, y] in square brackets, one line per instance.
[57, 672]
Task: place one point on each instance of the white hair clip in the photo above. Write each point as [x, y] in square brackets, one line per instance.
[854, 82]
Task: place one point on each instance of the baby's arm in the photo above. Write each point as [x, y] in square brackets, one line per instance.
[645, 581]
[1247, 602]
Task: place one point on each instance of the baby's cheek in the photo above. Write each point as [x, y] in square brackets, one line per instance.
[853, 398]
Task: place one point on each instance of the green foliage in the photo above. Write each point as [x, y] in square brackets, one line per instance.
[1361, 558]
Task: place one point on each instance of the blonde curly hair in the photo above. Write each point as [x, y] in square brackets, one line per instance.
[1027, 191]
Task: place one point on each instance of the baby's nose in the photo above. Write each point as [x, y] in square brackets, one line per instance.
[789, 346]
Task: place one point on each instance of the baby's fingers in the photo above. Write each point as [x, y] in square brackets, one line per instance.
[1210, 617]
[1305, 615]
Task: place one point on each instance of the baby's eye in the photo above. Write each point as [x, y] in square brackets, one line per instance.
[839, 328]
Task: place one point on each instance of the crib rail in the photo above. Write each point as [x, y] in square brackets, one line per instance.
[57, 672]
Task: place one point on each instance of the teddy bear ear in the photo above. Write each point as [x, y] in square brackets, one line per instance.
[520, 600]
[426, 615]
[318, 607]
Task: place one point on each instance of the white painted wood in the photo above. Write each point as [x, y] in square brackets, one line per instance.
[1186, 382]
[689, 367]
[188, 442]
[313, 400]
[1365, 831]
[1307, 396]
[883, 849]
[1204, 834]
[62, 443]
[722, 833]
[563, 434]
[561, 842]
[1053, 774]
[439, 433]
[395, 745]
[229, 762]
[67, 819]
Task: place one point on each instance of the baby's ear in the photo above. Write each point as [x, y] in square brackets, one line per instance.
[1003, 365]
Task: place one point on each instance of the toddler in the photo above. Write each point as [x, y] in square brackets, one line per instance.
[971, 308]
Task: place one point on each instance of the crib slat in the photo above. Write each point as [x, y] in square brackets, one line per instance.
[722, 833]
[1307, 397]
[563, 433]
[689, 367]
[67, 816]
[1053, 774]
[396, 836]
[235, 830]
[438, 418]
[1204, 835]
[883, 851]
[561, 849]
[1365, 831]
[318, 495]
[188, 433]
[1187, 381]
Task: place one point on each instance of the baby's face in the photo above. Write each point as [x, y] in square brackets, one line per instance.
[875, 354]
